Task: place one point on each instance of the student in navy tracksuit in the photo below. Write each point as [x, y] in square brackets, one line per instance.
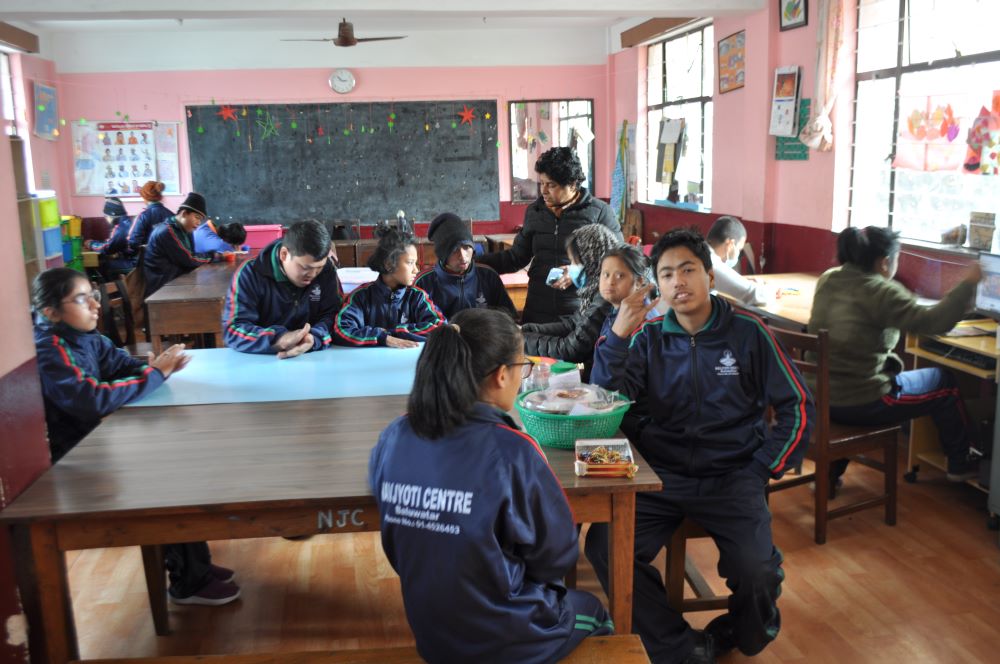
[117, 257]
[170, 252]
[624, 270]
[211, 236]
[473, 519]
[285, 300]
[85, 378]
[389, 311]
[154, 214]
[705, 375]
[456, 282]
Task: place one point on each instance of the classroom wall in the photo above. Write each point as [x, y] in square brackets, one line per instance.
[47, 170]
[24, 452]
[163, 95]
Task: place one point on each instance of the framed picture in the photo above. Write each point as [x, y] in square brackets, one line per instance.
[732, 52]
[793, 14]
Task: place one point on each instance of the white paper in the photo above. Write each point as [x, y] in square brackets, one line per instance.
[584, 136]
[671, 131]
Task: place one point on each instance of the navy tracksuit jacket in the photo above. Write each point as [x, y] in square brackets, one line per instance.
[84, 378]
[480, 286]
[480, 533]
[263, 304]
[374, 312]
[142, 227]
[169, 254]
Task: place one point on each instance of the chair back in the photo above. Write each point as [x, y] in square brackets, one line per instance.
[811, 355]
[116, 313]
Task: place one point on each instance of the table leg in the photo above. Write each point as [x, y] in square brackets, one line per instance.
[152, 563]
[157, 342]
[41, 570]
[621, 556]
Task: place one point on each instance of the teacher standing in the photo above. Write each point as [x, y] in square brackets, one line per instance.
[563, 207]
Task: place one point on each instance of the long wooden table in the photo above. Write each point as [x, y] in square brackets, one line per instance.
[190, 304]
[792, 307]
[152, 476]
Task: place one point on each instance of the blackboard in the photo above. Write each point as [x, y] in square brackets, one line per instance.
[278, 163]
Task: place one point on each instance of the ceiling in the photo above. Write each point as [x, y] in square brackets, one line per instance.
[370, 17]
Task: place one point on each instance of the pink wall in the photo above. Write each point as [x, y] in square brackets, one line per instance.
[162, 96]
[747, 180]
[45, 154]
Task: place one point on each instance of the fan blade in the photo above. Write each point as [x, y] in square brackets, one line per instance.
[366, 39]
[319, 40]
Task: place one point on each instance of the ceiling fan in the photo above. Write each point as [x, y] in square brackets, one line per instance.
[345, 36]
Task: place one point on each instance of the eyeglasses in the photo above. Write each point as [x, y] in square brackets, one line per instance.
[526, 367]
[83, 299]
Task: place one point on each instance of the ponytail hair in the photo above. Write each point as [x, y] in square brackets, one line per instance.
[392, 243]
[453, 364]
[865, 246]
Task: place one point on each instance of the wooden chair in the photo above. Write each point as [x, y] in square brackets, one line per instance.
[681, 569]
[116, 318]
[830, 441]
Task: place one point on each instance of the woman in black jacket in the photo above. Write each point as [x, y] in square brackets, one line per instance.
[572, 338]
[563, 207]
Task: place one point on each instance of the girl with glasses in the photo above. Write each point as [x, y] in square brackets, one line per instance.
[85, 378]
[464, 495]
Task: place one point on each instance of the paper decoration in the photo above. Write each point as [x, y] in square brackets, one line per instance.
[267, 125]
[670, 131]
[467, 114]
[928, 137]
[783, 102]
[668, 152]
[584, 136]
[227, 113]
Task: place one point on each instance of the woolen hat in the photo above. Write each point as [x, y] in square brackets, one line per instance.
[113, 207]
[194, 202]
[152, 191]
[447, 232]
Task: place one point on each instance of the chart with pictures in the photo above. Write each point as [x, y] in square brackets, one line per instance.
[116, 158]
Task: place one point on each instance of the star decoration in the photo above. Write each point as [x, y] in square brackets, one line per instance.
[467, 115]
[488, 115]
[227, 112]
[267, 124]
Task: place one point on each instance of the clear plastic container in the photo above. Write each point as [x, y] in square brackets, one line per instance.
[540, 376]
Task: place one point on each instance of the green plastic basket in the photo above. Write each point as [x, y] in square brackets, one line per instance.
[562, 431]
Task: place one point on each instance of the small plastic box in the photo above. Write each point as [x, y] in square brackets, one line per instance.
[52, 241]
[259, 237]
[585, 447]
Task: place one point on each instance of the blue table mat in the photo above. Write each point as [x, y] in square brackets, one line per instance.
[221, 375]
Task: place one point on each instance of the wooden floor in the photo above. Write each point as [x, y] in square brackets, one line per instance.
[927, 590]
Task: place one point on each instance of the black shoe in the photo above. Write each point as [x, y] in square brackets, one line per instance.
[965, 468]
[721, 630]
[704, 649]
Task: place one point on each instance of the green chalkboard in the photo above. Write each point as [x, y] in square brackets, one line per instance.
[278, 163]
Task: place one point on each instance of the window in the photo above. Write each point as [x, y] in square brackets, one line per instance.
[6, 95]
[680, 81]
[925, 72]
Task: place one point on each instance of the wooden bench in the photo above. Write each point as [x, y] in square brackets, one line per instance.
[623, 649]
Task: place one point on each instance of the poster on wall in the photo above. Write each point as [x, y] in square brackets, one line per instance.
[167, 169]
[116, 158]
[46, 112]
[784, 102]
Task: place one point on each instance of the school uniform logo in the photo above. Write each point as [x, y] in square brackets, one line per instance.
[481, 300]
[727, 365]
[315, 294]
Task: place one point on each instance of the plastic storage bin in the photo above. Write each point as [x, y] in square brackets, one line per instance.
[75, 226]
[259, 237]
[48, 212]
[52, 241]
[67, 247]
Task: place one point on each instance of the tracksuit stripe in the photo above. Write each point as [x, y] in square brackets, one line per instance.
[800, 415]
[82, 376]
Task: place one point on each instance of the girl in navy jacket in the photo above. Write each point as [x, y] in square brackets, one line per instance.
[85, 378]
[118, 258]
[464, 495]
[154, 214]
[389, 311]
[624, 270]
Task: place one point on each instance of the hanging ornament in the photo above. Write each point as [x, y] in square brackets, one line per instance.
[488, 115]
[200, 129]
[454, 125]
[244, 113]
[62, 121]
[227, 113]
[188, 112]
[83, 122]
[268, 126]
[260, 112]
[295, 125]
[427, 126]
[467, 114]
[213, 101]
[347, 132]
[100, 136]
[41, 107]
[319, 131]
[55, 131]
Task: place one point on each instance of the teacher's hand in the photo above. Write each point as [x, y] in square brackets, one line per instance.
[563, 282]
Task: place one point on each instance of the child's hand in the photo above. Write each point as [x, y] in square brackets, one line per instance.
[396, 342]
[292, 338]
[303, 347]
[171, 360]
[633, 312]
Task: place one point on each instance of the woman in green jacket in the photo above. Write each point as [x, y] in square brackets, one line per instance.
[865, 311]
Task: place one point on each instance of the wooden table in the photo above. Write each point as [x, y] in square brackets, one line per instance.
[190, 304]
[152, 476]
[499, 242]
[792, 307]
[516, 284]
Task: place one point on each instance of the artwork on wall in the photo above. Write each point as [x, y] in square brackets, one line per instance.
[732, 51]
[793, 14]
[784, 102]
[117, 158]
[46, 112]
